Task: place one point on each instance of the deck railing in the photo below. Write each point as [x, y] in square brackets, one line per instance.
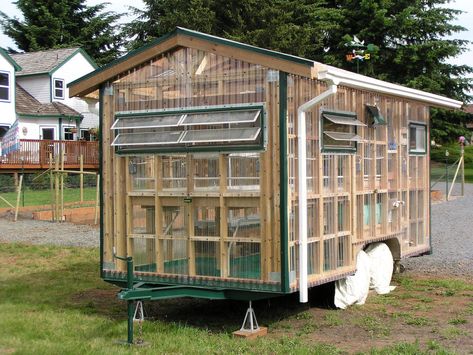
[36, 154]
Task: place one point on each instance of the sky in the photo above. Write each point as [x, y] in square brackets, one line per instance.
[121, 6]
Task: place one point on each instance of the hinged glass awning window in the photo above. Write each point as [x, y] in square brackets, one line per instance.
[215, 129]
[343, 119]
[343, 136]
[339, 131]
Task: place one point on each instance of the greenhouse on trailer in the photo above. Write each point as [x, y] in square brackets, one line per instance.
[231, 171]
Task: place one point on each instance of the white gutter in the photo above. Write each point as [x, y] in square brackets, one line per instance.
[302, 191]
[357, 81]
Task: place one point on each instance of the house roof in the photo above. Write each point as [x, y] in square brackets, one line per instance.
[5, 55]
[182, 37]
[469, 109]
[45, 62]
[27, 105]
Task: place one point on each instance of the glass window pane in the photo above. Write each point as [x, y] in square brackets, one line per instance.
[221, 135]
[147, 122]
[420, 138]
[343, 136]
[149, 138]
[59, 84]
[220, 117]
[345, 120]
[4, 79]
[4, 93]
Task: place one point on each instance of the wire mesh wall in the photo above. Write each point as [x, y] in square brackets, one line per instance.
[216, 211]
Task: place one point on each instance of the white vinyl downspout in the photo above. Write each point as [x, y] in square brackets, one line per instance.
[302, 191]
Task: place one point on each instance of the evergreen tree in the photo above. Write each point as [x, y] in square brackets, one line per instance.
[64, 23]
[162, 16]
[408, 38]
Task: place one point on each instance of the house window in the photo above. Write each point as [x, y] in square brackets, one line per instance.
[417, 138]
[85, 135]
[58, 89]
[339, 131]
[4, 86]
[218, 129]
[68, 133]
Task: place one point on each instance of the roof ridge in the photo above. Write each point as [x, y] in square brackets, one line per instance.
[45, 50]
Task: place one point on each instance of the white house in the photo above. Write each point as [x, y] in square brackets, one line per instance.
[33, 91]
[8, 67]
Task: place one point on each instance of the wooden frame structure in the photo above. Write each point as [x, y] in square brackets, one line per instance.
[220, 220]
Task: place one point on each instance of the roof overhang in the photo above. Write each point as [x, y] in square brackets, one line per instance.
[357, 81]
[182, 37]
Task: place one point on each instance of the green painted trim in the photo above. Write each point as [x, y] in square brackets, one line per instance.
[48, 116]
[101, 236]
[50, 87]
[60, 128]
[165, 292]
[192, 149]
[425, 140]
[31, 75]
[239, 45]
[9, 59]
[283, 182]
[197, 109]
[250, 285]
[200, 35]
[79, 50]
[213, 149]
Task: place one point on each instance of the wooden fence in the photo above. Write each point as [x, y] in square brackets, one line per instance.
[35, 154]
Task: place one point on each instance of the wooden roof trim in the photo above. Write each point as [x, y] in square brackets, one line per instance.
[92, 81]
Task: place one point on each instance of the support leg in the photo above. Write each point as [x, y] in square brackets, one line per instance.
[131, 314]
[250, 328]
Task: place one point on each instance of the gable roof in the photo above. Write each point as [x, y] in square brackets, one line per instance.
[182, 37]
[46, 62]
[5, 55]
[27, 105]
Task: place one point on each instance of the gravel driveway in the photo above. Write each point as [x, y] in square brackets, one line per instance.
[452, 236]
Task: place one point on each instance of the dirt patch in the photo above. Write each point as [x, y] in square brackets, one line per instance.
[435, 313]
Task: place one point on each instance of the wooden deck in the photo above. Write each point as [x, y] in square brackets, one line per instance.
[34, 154]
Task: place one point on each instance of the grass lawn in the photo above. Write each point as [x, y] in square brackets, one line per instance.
[43, 197]
[53, 302]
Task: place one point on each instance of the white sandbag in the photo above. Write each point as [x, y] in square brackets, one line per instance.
[354, 289]
[382, 264]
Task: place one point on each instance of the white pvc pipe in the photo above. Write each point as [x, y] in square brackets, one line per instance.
[302, 191]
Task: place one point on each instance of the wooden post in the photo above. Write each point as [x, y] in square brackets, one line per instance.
[62, 186]
[18, 197]
[56, 187]
[51, 186]
[463, 168]
[97, 199]
[81, 164]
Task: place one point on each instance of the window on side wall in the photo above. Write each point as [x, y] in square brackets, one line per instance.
[339, 131]
[4, 86]
[417, 138]
[68, 133]
[58, 88]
